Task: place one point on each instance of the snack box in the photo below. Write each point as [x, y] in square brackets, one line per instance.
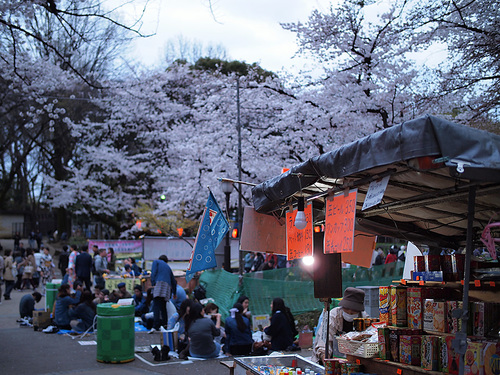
[453, 357]
[384, 304]
[394, 344]
[429, 352]
[383, 343]
[443, 354]
[434, 316]
[427, 276]
[491, 356]
[416, 344]
[405, 349]
[453, 325]
[415, 304]
[474, 359]
[398, 313]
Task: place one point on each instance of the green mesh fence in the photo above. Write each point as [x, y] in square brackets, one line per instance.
[294, 285]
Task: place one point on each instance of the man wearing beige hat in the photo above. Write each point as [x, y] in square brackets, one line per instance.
[341, 321]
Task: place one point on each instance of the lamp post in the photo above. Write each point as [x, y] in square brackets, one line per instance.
[227, 188]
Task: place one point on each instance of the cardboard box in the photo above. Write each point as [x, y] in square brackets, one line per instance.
[416, 344]
[477, 310]
[398, 312]
[474, 359]
[394, 344]
[414, 308]
[491, 355]
[453, 324]
[383, 343]
[405, 349]
[453, 357]
[443, 354]
[434, 316]
[41, 319]
[429, 352]
[384, 304]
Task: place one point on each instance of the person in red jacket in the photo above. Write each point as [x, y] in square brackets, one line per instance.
[392, 256]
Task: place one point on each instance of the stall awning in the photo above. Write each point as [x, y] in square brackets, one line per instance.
[431, 163]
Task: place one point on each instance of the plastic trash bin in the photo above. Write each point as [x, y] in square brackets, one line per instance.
[115, 333]
[51, 291]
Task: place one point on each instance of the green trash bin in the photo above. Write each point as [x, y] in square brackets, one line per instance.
[115, 333]
[51, 291]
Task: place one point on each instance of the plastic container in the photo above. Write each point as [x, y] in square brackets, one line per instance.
[358, 348]
[51, 290]
[115, 333]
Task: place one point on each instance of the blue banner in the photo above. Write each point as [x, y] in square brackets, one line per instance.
[213, 228]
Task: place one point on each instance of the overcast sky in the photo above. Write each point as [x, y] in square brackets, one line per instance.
[248, 29]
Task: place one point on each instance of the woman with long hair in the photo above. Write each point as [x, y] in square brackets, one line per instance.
[282, 329]
[238, 335]
[201, 333]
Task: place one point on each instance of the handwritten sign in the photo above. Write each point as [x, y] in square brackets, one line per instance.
[299, 242]
[339, 223]
[375, 193]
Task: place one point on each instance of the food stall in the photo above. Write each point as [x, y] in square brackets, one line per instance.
[438, 184]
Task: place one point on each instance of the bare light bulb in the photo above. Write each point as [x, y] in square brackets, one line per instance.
[308, 260]
[300, 218]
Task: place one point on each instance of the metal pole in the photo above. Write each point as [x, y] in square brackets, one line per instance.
[227, 246]
[239, 214]
[327, 307]
[460, 341]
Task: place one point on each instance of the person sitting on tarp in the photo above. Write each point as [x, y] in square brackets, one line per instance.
[201, 333]
[238, 334]
[27, 304]
[282, 329]
[82, 316]
[120, 293]
[140, 301]
[63, 302]
[341, 321]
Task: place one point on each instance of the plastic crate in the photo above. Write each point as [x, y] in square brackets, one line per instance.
[358, 348]
[371, 295]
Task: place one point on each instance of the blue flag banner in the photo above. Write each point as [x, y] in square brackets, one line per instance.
[213, 228]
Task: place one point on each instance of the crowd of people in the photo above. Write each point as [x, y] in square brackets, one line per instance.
[201, 331]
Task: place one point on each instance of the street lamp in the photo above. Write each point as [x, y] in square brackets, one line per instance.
[227, 188]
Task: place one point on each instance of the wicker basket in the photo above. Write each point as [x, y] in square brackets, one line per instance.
[358, 348]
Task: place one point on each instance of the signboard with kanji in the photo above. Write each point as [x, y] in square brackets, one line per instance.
[299, 243]
[339, 222]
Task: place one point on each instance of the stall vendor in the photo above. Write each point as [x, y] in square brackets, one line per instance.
[341, 321]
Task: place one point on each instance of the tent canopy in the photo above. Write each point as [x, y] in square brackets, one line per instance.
[431, 162]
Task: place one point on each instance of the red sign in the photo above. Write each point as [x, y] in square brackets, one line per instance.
[339, 223]
[299, 243]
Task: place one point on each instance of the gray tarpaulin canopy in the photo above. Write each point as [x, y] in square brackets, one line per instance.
[432, 163]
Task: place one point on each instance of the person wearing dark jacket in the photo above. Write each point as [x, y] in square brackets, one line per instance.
[238, 335]
[282, 329]
[201, 333]
[83, 267]
[63, 303]
[27, 304]
[63, 260]
[165, 285]
[82, 316]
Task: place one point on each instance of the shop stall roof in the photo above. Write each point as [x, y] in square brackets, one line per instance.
[431, 162]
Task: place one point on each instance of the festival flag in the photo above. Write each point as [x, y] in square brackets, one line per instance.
[213, 228]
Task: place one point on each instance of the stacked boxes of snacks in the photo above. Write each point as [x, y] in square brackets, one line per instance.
[422, 334]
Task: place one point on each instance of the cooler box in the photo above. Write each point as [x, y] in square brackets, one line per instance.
[115, 333]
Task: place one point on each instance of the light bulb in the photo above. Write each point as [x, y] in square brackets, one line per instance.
[300, 220]
[308, 260]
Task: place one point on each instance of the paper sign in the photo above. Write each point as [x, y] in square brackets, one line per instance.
[375, 192]
[339, 223]
[260, 320]
[299, 242]
[364, 243]
[262, 233]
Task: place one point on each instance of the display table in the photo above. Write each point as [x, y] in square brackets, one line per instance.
[380, 366]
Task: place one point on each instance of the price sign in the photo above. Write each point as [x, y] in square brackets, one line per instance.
[339, 223]
[299, 242]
